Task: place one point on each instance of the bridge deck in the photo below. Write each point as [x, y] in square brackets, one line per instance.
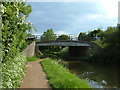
[64, 43]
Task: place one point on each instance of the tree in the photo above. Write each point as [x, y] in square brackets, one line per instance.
[63, 37]
[83, 37]
[110, 43]
[14, 27]
[48, 36]
[94, 34]
[111, 36]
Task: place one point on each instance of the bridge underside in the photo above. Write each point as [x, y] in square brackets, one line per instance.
[75, 51]
[76, 48]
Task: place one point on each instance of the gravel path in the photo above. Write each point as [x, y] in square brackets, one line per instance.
[35, 77]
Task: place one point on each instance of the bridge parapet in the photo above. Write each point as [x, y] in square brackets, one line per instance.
[64, 43]
[71, 36]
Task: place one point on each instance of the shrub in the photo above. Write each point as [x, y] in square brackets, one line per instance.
[13, 71]
[14, 27]
[60, 77]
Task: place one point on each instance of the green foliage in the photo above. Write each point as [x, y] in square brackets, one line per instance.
[13, 72]
[64, 52]
[34, 58]
[40, 54]
[90, 36]
[49, 51]
[60, 77]
[63, 37]
[14, 27]
[110, 45]
[30, 35]
[111, 36]
[48, 36]
[95, 33]
[83, 37]
[30, 39]
[99, 42]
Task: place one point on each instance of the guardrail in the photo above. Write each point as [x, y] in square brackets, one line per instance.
[71, 36]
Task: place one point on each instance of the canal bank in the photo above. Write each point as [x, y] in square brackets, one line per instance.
[60, 77]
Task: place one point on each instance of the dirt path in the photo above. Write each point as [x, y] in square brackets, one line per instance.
[35, 77]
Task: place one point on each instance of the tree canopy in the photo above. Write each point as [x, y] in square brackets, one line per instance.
[92, 35]
[49, 35]
[63, 37]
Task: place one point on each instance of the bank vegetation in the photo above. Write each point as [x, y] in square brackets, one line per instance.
[61, 77]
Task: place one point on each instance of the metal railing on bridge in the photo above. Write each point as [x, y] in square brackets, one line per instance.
[73, 37]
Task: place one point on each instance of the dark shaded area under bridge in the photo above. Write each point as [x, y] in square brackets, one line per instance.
[76, 48]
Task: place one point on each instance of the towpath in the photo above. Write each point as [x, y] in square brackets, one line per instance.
[35, 77]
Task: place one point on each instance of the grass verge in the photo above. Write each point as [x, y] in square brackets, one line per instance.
[34, 58]
[60, 77]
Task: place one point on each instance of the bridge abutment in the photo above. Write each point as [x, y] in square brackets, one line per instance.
[76, 51]
[37, 50]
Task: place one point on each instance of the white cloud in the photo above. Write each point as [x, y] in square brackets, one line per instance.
[94, 16]
[61, 32]
[110, 8]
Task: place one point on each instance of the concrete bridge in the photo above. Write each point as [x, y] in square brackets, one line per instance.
[64, 43]
[76, 48]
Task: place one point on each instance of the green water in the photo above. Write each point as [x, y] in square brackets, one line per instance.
[97, 75]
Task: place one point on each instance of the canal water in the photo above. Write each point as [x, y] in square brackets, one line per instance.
[96, 74]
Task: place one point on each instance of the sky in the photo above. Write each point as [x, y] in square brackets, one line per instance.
[73, 17]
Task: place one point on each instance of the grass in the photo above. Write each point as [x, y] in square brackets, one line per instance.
[60, 77]
[34, 58]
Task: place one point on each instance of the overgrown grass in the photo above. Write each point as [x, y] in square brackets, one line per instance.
[13, 71]
[60, 77]
[34, 58]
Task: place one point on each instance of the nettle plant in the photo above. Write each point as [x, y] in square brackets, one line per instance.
[14, 27]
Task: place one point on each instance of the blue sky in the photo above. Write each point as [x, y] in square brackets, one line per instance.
[73, 17]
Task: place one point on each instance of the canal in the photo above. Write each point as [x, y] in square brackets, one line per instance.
[96, 74]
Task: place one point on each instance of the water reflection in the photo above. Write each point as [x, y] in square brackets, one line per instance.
[97, 75]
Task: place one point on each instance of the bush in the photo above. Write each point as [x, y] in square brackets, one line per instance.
[60, 77]
[13, 71]
[14, 28]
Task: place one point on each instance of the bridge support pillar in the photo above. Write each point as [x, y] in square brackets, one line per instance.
[76, 51]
